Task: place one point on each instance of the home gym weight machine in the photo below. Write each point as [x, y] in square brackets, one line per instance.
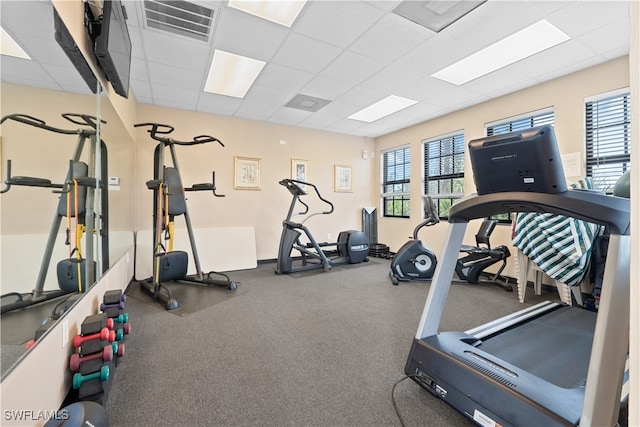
[550, 364]
[168, 202]
[83, 197]
[352, 246]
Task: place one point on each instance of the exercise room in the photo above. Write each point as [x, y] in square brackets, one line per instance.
[315, 212]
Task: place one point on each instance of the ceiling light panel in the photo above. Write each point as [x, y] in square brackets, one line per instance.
[436, 15]
[382, 108]
[527, 42]
[231, 74]
[9, 46]
[283, 12]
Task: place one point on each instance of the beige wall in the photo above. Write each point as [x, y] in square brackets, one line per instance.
[264, 209]
[566, 95]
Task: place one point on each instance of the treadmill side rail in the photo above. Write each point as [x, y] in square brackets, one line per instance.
[611, 339]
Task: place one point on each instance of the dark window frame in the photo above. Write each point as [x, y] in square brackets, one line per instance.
[446, 154]
[396, 182]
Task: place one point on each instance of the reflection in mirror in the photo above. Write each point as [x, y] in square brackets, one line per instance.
[44, 143]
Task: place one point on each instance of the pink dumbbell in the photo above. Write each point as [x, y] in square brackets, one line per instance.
[104, 334]
[76, 360]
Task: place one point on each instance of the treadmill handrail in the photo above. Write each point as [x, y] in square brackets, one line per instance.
[610, 211]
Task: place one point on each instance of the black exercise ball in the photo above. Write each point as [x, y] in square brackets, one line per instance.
[80, 414]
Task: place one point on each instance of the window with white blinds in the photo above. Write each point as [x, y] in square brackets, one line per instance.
[608, 139]
[444, 171]
[396, 175]
[530, 120]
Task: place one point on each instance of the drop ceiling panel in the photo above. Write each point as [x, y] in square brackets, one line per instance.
[306, 54]
[392, 77]
[324, 87]
[352, 67]
[580, 17]
[175, 50]
[282, 77]
[268, 95]
[338, 23]
[161, 74]
[248, 35]
[390, 38]
[351, 52]
[289, 116]
[218, 104]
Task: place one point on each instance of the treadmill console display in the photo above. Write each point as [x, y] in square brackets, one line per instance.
[527, 160]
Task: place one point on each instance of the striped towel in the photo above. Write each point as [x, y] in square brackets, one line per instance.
[558, 245]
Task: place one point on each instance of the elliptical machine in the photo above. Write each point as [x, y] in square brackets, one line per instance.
[414, 261]
[352, 246]
[478, 258]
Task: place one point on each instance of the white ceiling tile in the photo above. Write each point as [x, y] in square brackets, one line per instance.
[608, 37]
[336, 22]
[390, 38]
[185, 98]
[161, 74]
[282, 77]
[247, 35]
[352, 67]
[268, 95]
[289, 116]
[353, 52]
[424, 88]
[218, 104]
[174, 50]
[434, 54]
[491, 22]
[326, 88]
[254, 110]
[361, 96]
[580, 17]
[303, 53]
[392, 77]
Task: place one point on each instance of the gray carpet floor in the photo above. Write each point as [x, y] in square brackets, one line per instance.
[310, 350]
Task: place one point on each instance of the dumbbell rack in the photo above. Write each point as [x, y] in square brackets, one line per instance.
[99, 347]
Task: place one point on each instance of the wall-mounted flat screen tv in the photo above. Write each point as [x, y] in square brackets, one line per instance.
[113, 46]
[69, 46]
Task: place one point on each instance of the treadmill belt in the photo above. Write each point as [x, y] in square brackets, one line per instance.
[555, 347]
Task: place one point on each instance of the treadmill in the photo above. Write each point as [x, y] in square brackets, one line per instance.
[550, 364]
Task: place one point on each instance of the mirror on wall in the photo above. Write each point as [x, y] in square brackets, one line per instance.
[58, 231]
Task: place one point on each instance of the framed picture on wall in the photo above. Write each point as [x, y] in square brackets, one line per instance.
[343, 178]
[247, 173]
[300, 170]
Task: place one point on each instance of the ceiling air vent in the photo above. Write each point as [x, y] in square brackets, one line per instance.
[179, 17]
[307, 103]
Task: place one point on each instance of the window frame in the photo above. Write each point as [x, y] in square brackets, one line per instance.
[455, 137]
[403, 197]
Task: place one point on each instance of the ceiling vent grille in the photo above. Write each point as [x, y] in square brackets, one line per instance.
[179, 17]
[307, 103]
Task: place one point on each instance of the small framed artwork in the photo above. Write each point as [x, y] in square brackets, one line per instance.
[343, 178]
[300, 170]
[247, 173]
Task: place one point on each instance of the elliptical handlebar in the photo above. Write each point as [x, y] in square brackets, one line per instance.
[297, 191]
[158, 129]
[87, 120]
